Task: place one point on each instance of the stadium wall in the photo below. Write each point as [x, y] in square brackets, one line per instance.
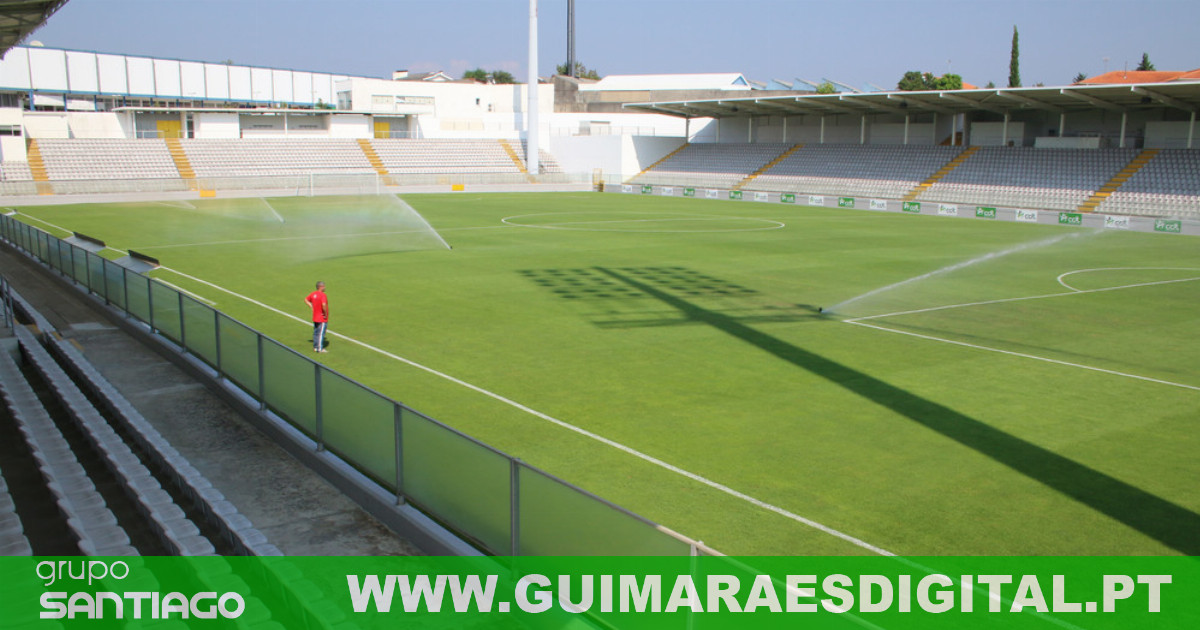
[618, 157]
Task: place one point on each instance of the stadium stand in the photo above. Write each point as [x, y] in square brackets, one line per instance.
[1169, 184]
[87, 159]
[250, 157]
[1025, 177]
[870, 171]
[712, 164]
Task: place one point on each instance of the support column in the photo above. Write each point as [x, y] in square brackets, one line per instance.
[1004, 132]
[822, 129]
[934, 132]
[1191, 130]
[531, 116]
[750, 130]
[785, 129]
[906, 119]
[1124, 120]
[1062, 125]
[862, 130]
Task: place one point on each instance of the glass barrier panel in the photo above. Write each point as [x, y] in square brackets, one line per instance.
[165, 301]
[289, 385]
[360, 425]
[200, 330]
[137, 290]
[560, 520]
[61, 253]
[95, 265]
[464, 483]
[114, 276]
[239, 353]
[78, 257]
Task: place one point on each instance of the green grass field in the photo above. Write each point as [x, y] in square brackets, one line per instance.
[1038, 392]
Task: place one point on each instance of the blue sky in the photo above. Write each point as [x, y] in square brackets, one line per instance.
[859, 42]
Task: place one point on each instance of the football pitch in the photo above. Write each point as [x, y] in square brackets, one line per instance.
[765, 378]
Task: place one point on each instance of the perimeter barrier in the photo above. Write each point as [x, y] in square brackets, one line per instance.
[494, 500]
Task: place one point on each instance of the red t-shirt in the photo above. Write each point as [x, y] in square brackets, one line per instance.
[320, 306]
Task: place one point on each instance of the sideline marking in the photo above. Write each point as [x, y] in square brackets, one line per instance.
[774, 225]
[584, 432]
[858, 321]
[1023, 355]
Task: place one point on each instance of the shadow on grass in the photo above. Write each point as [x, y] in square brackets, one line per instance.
[1166, 522]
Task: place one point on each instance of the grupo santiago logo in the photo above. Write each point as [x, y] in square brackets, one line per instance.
[71, 594]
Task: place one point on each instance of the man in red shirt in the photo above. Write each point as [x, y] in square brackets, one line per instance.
[320, 315]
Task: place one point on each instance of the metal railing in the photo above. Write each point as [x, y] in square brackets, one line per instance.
[498, 502]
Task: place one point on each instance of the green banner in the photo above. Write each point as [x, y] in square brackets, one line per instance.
[911, 206]
[787, 197]
[689, 192]
[985, 213]
[647, 189]
[1070, 218]
[735, 194]
[845, 202]
[1168, 225]
[651, 593]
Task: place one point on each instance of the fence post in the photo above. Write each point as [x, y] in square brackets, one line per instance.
[150, 304]
[514, 503]
[182, 324]
[104, 274]
[399, 433]
[217, 336]
[262, 385]
[320, 416]
[125, 288]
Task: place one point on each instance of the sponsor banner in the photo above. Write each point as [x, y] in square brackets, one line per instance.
[631, 593]
[712, 194]
[787, 197]
[689, 192]
[626, 188]
[1027, 216]
[1117, 223]
[647, 189]
[816, 200]
[947, 209]
[761, 196]
[735, 194]
[845, 202]
[911, 206]
[982, 212]
[668, 191]
[1070, 218]
[878, 204]
[1168, 225]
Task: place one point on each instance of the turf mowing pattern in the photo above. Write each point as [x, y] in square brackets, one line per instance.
[1019, 389]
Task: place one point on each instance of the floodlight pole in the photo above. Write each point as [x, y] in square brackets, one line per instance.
[531, 135]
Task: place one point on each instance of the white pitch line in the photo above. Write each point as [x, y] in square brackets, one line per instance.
[584, 432]
[1073, 291]
[1071, 273]
[45, 222]
[183, 290]
[1024, 355]
[315, 237]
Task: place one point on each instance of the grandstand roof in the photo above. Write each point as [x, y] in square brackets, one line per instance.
[1183, 95]
[19, 18]
[718, 81]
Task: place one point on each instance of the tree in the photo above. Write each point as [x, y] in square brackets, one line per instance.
[948, 82]
[502, 76]
[1080, 77]
[1014, 62]
[1146, 64]
[826, 88]
[990, 86]
[478, 74]
[581, 71]
[914, 80]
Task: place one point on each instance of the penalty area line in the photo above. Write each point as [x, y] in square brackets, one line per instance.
[566, 425]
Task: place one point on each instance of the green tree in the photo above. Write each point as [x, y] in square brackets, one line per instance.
[1080, 77]
[502, 76]
[990, 86]
[915, 80]
[1014, 62]
[826, 88]
[581, 71]
[478, 74]
[1145, 64]
[948, 82]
